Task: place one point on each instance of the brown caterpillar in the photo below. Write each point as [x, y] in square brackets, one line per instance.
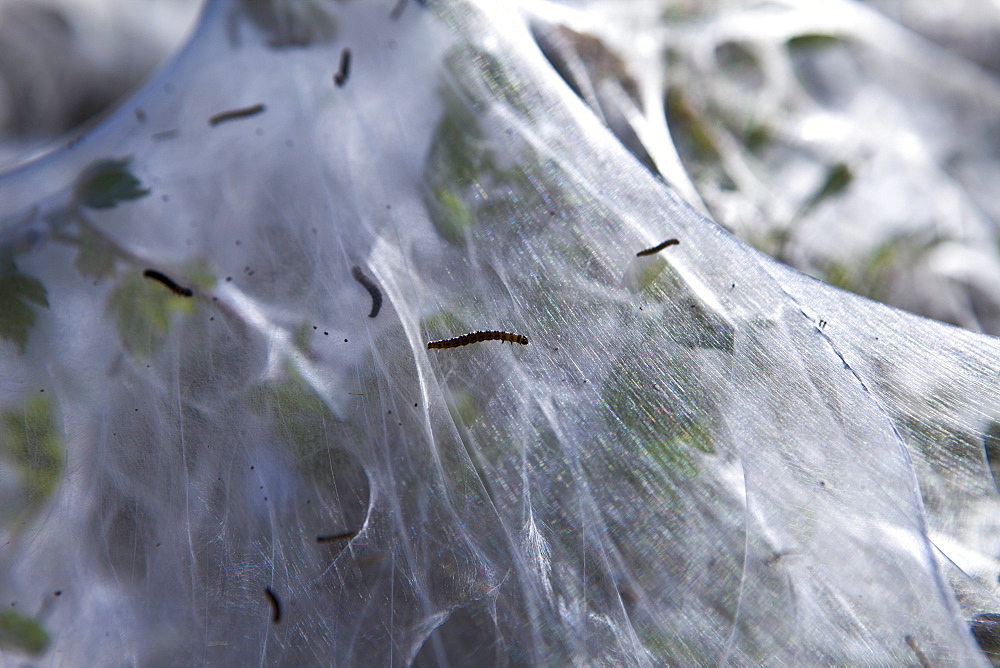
[476, 337]
[340, 78]
[233, 114]
[657, 249]
[163, 278]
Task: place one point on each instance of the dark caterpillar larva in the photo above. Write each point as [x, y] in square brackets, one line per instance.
[340, 78]
[234, 114]
[163, 278]
[657, 249]
[275, 604]
[372, 289]
[347, 535]
[476, 337]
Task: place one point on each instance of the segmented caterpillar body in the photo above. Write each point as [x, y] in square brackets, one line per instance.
[476, 337]
[657, 248]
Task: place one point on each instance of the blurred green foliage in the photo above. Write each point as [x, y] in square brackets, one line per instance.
[106, 183]
[30, 438]
[20, 632]
[142, 311]
[17, 292]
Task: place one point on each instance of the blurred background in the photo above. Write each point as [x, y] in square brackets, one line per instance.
[63, 62]
[856, 142]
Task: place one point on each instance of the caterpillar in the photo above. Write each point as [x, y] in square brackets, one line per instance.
[233, 114]
[372, 289]
[162, 278]
[476, 337]
[340, 78]
[275, 604]
[658, 248]
[347, 535]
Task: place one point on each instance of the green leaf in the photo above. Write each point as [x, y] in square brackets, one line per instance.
[649, 271]
[300, 338]
[300, 418]
[105, 183]
[20, 632]
[142, 311]
[16, 291]
[30, 288]
[450, 216]
[198, 274]
[667, 419]
[30, 438]
[693, 323]
[458, 155]
[93, 257]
